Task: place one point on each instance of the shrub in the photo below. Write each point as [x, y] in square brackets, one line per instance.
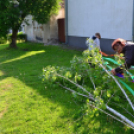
[3, 40]
[20, 36]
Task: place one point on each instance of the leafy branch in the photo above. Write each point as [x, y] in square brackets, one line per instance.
[89, 77]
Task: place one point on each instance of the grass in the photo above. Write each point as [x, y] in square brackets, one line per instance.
[28, 106]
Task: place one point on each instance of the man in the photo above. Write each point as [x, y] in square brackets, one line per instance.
[127, 48]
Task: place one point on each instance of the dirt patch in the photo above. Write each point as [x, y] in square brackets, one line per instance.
[3, 112]
[6, 86]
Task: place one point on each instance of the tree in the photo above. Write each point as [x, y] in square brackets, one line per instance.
[13, 13]
[93, 83]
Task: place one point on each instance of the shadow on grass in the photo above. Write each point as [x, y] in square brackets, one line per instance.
[26, 64]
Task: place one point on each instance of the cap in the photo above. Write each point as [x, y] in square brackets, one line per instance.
[121, 41]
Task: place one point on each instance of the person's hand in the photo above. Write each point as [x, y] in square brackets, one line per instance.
[113, 71]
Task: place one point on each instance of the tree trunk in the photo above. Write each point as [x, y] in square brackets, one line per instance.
[14, 38]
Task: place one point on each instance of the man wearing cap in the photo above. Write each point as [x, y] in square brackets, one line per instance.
[127, 48]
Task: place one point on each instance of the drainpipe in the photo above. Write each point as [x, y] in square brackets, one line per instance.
[66, 22]
[133, 24]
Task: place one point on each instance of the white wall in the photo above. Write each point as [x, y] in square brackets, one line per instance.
[44, 31]
[112, 18]
[29, 28]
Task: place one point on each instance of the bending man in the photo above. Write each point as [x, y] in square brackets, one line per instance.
[122, 46]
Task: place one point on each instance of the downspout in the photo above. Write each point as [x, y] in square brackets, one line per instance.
[133, 24]
[66, 22]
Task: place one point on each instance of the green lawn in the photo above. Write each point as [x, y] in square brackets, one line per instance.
[28, 106]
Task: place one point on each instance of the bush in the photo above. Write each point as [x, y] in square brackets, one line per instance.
[3, 40]
[20, 36]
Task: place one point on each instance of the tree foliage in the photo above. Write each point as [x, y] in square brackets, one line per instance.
[13, 13]
[93, 83]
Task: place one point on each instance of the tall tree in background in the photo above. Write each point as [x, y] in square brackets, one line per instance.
[13, 13]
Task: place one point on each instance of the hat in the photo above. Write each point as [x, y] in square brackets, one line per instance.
[119, 40]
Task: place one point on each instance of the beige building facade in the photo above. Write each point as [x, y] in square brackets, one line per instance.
[43, 33]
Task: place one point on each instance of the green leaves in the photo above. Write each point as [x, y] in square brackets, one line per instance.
[117, 98]
[77, 77]
[86, 73]
[108, 93]
[97, 124]
[74, 94]
[68, 74]
[96, 92]
[118, 58]
[49, 74]
[11, 17]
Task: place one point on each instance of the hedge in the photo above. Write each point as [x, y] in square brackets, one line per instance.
[20, 36]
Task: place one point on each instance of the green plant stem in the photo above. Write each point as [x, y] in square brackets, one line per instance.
[91, 98]
[124, 120]
[75, 84]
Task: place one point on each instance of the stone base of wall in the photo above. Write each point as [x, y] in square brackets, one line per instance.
[52, 42]
[79, 42]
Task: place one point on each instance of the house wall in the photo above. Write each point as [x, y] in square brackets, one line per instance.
[54, 25]
[43, 33]
[29, 28]
[112, 18]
